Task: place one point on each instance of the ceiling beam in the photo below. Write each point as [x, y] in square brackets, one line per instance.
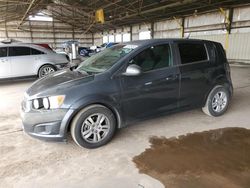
[27, 11]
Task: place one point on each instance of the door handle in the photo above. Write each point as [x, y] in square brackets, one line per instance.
[168, 78]
[148, 83]
[173, 77]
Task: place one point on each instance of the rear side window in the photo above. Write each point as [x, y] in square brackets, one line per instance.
[19, 51]
[3, 52]
[36, 52]
[192, 52]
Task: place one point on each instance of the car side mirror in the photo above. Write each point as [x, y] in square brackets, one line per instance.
[133, 70]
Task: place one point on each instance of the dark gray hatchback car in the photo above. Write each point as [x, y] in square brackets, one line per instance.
[126, 83]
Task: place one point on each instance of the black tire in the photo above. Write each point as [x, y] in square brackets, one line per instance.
[210, 107]
[78, 124]
[42, 71]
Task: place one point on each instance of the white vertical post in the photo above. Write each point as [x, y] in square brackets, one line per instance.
[73, 51]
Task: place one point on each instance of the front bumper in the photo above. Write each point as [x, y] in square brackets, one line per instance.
[49, 125]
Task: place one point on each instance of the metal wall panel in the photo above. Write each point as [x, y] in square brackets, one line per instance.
[204, 19]
[44, 32]
[238, 48]
[218, 38]
[208, 26]
[167, 34]
[242, 13]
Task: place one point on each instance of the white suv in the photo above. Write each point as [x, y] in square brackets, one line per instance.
[19, 60]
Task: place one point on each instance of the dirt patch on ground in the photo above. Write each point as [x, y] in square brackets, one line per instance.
[216, 158]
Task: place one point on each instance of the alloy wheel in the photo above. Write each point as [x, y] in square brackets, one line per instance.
[47, 70]
[219, 101]
[95, 128]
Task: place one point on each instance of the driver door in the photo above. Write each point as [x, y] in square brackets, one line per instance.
[156, 90]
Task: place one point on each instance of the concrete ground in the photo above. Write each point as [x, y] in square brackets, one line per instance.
[27, 162]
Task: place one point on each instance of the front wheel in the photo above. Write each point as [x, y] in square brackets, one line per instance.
[46, 70]
[217, 101]
[93, 126]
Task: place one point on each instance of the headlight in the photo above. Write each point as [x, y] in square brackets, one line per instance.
[46, 103]
[56, 101]
[52, 102]
[36, 104]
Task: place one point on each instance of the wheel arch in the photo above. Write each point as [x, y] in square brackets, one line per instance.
[40, 66]
[219, 81]
[79, 105]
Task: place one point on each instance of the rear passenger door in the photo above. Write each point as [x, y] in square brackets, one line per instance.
[194, 65]
[22, 61]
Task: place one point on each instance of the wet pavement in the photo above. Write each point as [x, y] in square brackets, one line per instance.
[215, 158]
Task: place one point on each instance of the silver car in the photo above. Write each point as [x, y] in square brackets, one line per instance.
[20, 60]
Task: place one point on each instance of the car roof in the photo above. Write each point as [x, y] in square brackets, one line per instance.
[36, 46]
[152, 41]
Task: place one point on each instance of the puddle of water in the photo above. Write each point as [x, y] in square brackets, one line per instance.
[216, 158]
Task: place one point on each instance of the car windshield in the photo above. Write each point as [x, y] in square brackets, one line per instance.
[106, 59]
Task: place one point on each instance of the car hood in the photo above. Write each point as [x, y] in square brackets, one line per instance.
[57, 80]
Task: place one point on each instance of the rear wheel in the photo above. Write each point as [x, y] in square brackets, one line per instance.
[217, 101]
[93, 126]
[46, 70]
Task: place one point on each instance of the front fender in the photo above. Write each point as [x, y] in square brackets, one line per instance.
[78, 105]
[93, 99]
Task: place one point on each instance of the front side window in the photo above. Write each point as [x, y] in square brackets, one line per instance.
[192, 52]
[105, 59]
[155, 57]
[19, 51]
[3, 52]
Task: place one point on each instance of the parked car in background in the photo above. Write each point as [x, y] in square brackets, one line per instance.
[21, 60]
[60, 51]
[103, 46]
[109, 44]
[127, 83]
[106, 45]
[85, 52]
[44, 45]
